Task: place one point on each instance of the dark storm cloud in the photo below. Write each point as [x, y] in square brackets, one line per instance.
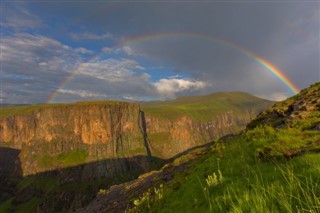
[284, 33]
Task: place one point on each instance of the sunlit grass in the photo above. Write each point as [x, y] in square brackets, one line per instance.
[250, 184]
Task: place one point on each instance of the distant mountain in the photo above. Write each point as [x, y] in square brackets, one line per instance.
[11, 105]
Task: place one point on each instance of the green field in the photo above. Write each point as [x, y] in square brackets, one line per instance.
[27, 109]
[204, 107]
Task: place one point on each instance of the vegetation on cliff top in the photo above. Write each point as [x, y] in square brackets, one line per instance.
[197, 107]
[27, 109]
[205, 107]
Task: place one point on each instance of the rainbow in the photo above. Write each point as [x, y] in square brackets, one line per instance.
[158, 36]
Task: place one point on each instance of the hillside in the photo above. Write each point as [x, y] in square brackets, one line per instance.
[271, 167]
[202, 107]
[196, 120]
[61, 154]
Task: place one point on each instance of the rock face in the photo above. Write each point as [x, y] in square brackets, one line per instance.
[76, 146]
[88, 124]
[69, 135]
[63, 136]
[168, 138]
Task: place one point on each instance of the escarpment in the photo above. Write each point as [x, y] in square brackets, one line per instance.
[70, 135]
[109, 133]
[169, 137]
[63, 154]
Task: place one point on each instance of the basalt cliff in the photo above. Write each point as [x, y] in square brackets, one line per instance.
[110, 141]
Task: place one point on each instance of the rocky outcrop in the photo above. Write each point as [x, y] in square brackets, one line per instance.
[302, 110]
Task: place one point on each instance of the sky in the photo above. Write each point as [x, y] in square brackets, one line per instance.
[67, 51]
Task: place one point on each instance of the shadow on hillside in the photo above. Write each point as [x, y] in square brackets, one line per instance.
[10, 168]
[206, 145]
[70, 188]
[10, 164]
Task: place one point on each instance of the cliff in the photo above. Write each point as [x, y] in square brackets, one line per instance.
[68, 135]
[176, 126]
[57, 136]
[66, 152]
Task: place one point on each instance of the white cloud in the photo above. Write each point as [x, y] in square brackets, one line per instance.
[106, 49]
[115, 70]
[277, 96]
[91, 36]
[82, 93]
[128, 50]
[28, 54]
[17, 17]
[33, 66]
[170, 87]
[131, 98]
[175, 76]
[82, 50]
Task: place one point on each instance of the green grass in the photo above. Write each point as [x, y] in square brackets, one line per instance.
[160, 137]
[24, 110]
[250, 184]
[5, 206]
[29, 207]
[199, 107]
[64, 159]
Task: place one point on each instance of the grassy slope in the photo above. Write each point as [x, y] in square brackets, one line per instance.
[266, 169]
[203, 107]
[198, 107]
[248, 184]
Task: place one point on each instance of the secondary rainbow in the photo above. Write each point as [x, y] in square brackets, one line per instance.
[158, 36]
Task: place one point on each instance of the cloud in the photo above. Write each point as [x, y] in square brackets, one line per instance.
[126, 50]
[132, 98]
[275, 96]
[168, 88]
[32, 55]
[16, 16]
[288, 38]
[91, 36]
[83, 93]
[115, 70]
[83, 50]
[32, 66]
[106, 49]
